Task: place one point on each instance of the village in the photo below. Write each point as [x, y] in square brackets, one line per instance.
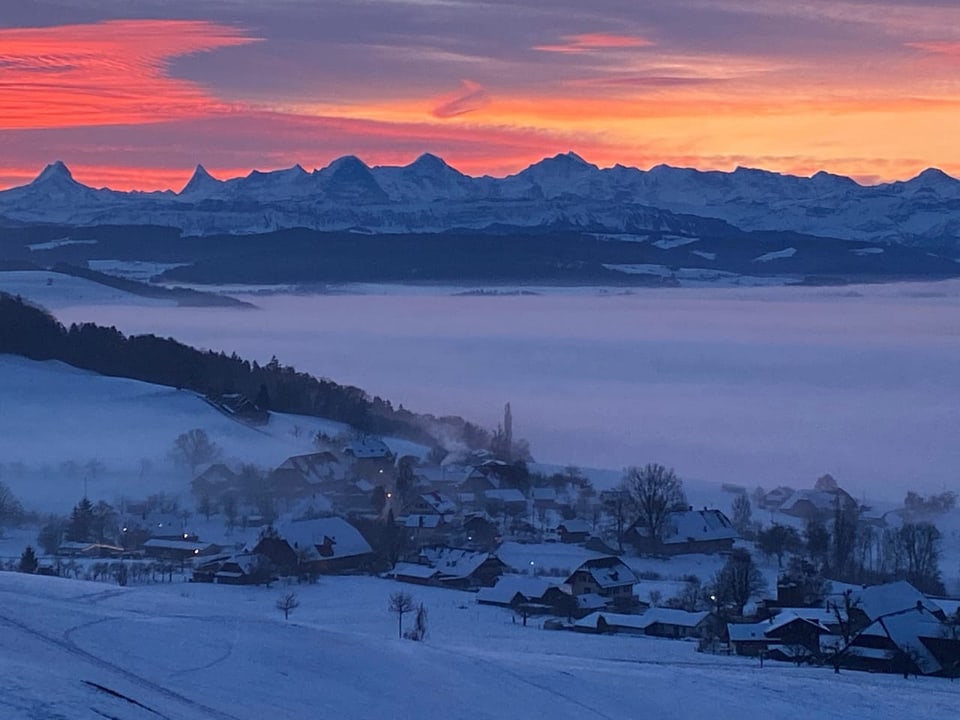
[823, 581]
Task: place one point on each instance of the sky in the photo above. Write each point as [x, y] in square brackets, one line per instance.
[135, 93]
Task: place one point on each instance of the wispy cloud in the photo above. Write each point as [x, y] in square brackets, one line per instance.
[593, 42]
[471, 96]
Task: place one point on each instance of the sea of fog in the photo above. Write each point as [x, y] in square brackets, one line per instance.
[755, 386]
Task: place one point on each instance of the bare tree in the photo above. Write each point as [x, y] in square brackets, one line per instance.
[195, 448]
[654, 491]
[779, 540]
[920, 545]
[419, 632]
[738, 581]
[287, 604]
[401, 603]
[742, 513]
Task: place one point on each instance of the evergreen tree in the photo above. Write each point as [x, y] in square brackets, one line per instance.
[28, 561]
[82, 521]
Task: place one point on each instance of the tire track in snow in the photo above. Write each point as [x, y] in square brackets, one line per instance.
[70, 647]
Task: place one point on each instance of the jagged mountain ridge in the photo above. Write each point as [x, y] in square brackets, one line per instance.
[564, 191]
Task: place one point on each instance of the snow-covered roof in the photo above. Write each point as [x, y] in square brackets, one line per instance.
[368, 448]
[609, 572]
[671, 616]
[507, 587]
[346, 539]
[455, 563]
[788, 616]
[185, 545]
[544, 493]
[592, 601]
[906, 628]
[439, 502]
[506, 495]
[315, 467]
[413, 570]
[879, 600]
[820, 499]
[575, 526]
[653, 616]
[683, 526]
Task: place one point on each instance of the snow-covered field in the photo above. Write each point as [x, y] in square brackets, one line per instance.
[54, 290]
[187, 652]
[755, 386]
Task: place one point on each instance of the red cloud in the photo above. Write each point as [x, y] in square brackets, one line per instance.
[588, 42]
[105, 73]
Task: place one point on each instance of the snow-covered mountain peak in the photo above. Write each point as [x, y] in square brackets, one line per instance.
[201, 183]
[55, 172]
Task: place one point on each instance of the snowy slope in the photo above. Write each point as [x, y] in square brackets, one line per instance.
[57, 418]
[562, 191]
[205, 651]
[55, 290]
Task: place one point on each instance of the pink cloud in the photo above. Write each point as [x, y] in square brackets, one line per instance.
[471, 96]
[590, 42]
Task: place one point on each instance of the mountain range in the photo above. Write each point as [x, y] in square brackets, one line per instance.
[561, 193]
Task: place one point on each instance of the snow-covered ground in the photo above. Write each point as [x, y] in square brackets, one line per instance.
[54, 290]
[195, 652]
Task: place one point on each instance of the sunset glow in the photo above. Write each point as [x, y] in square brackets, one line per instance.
[858, 88]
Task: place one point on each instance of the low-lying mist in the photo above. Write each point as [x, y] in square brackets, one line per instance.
[756, 387]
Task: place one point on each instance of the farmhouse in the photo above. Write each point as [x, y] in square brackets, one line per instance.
[656, 622]
[574, 531]
[686, 532]
[320, 545]
[607, 577]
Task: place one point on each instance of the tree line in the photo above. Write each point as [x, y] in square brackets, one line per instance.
[34, 333]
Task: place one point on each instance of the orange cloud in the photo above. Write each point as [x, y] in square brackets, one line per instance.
[591, 42]
[106, 73]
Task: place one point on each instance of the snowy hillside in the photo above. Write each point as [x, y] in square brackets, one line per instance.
[58, 420]
[88, 651]
[564, 191]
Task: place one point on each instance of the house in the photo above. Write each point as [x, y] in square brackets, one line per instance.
[914, 641]
[609, 577]
[303, 475]
[574, 531]
[774, 499]
[215, 484]
[686, 532]
[506, 500]
[787, 636]
[480, 532]
[242, 569]
[433, 503]
[240, 407]
[544, 498]
[179, 548]
[318, 545]
[812, 504]
[70, 548]
[655, 622]
[416, 573]
[463, 568]
[514, 590]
